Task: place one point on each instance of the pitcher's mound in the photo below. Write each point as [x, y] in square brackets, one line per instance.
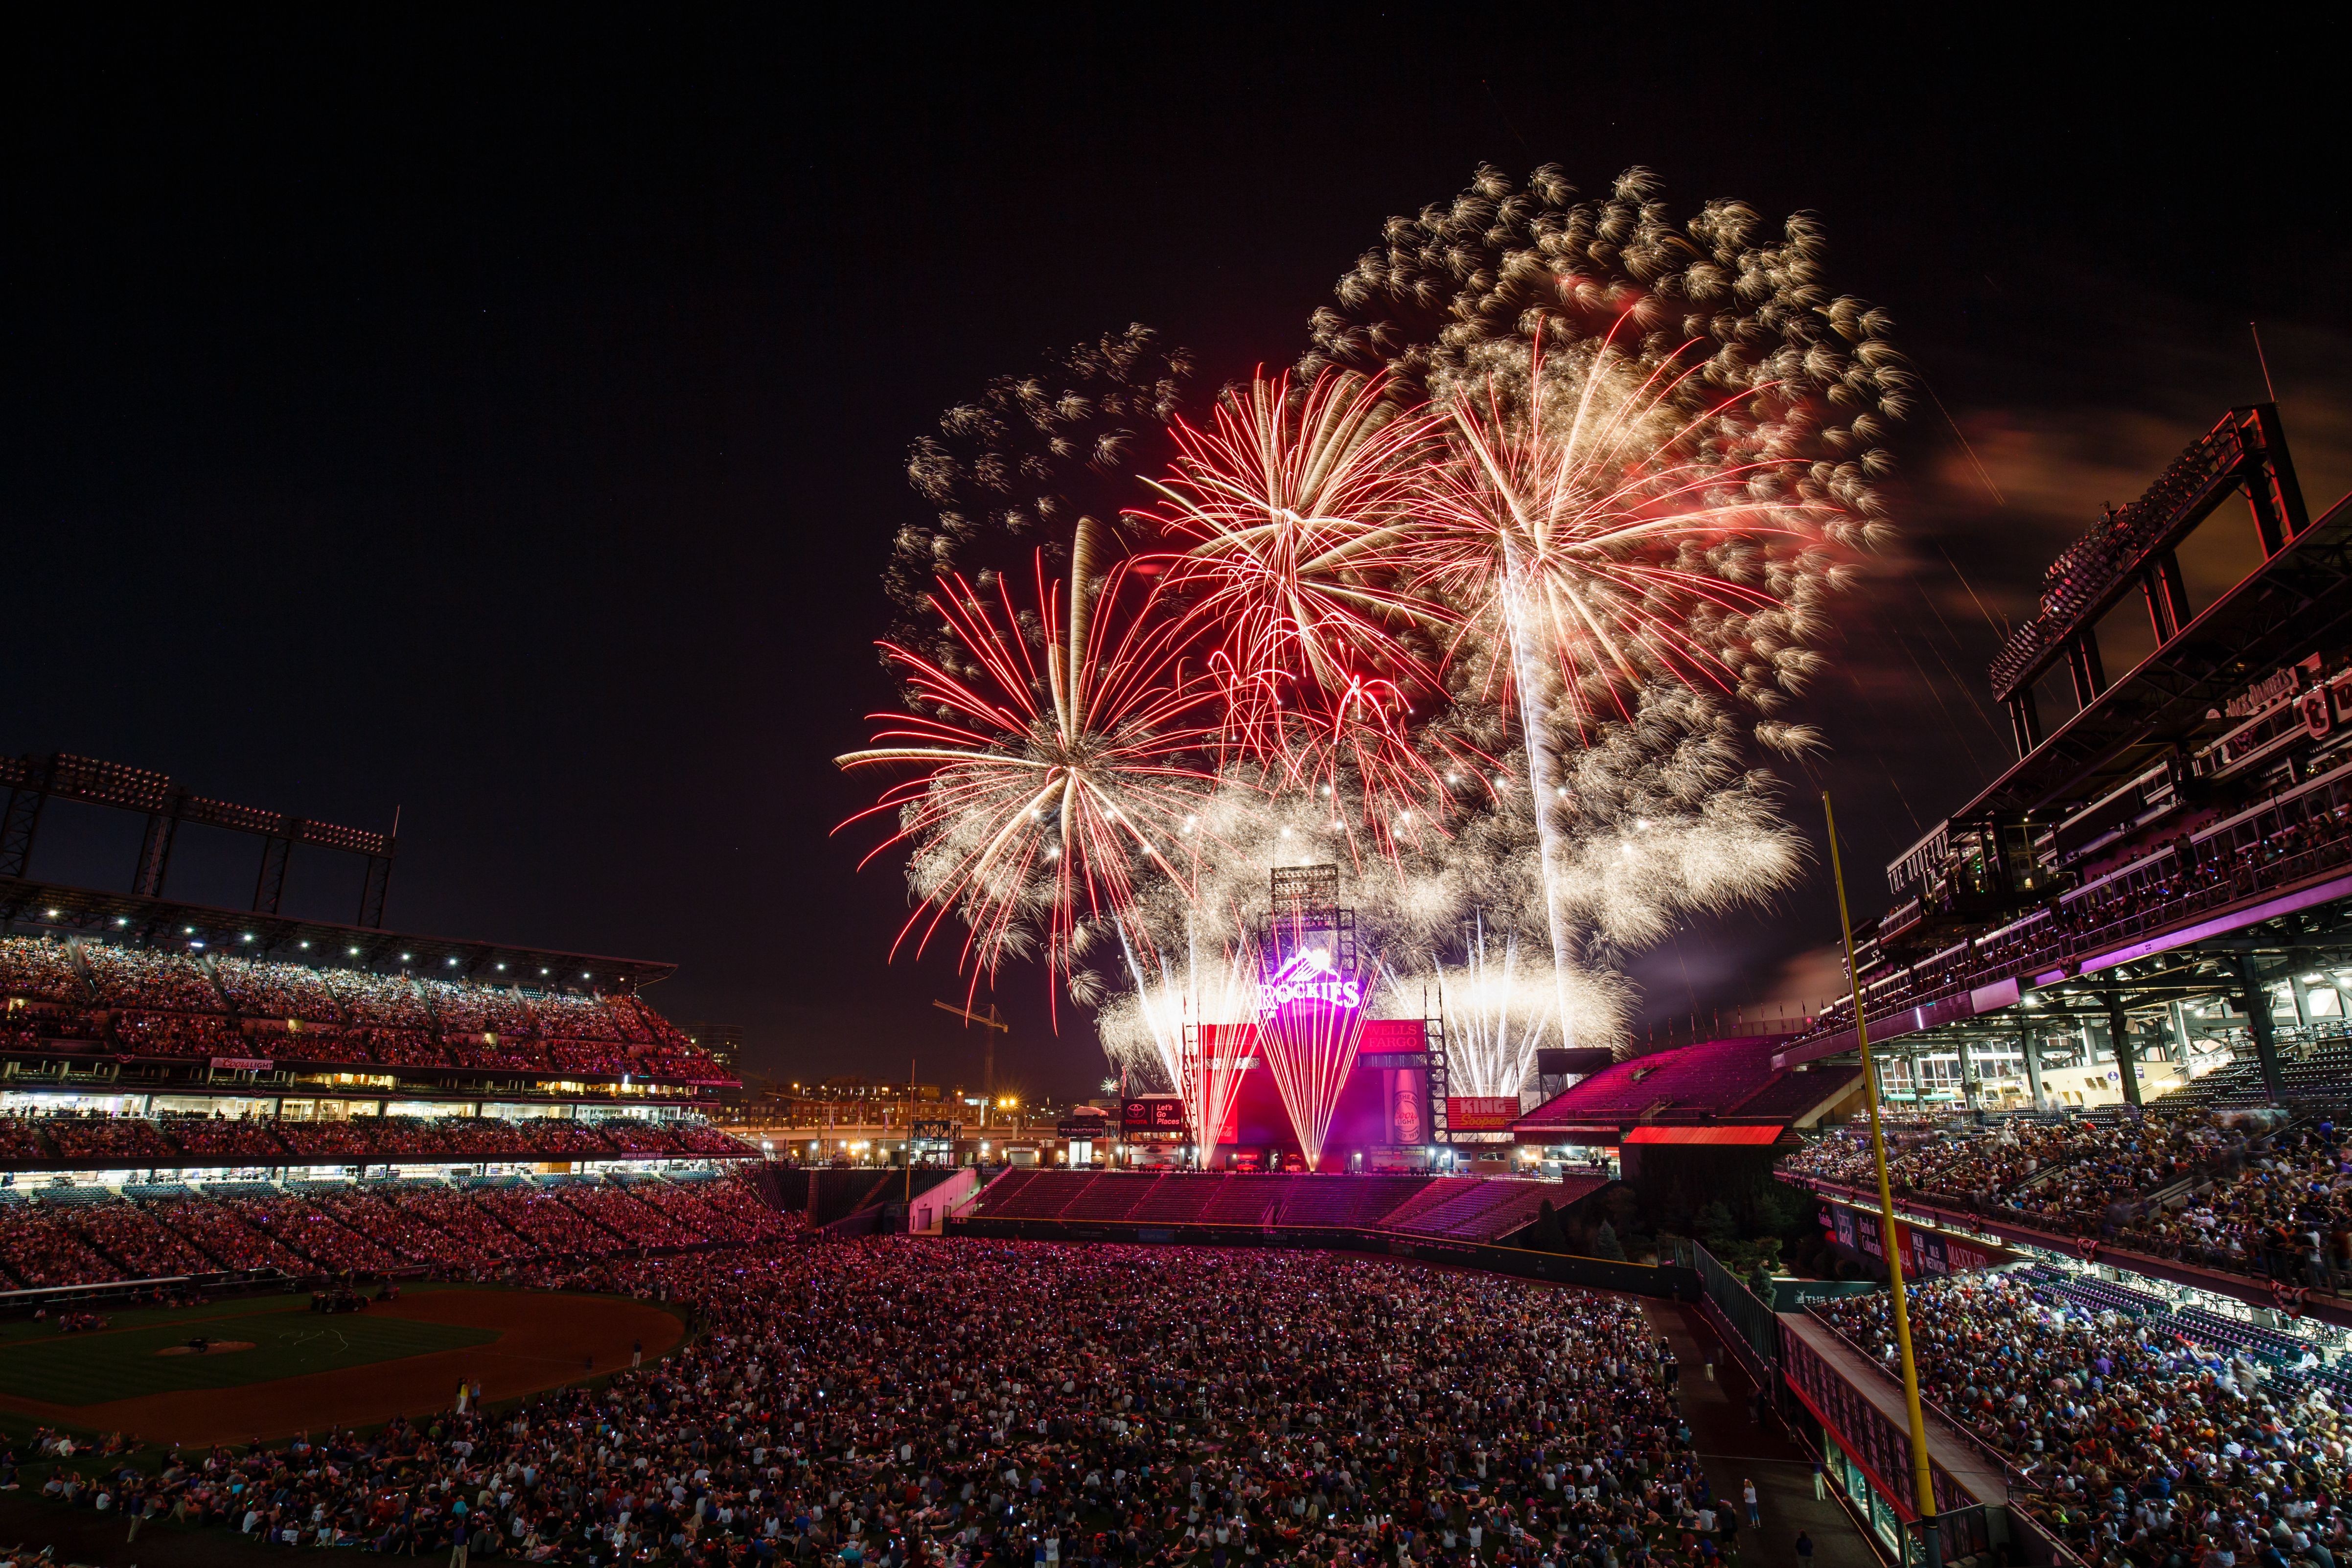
[212, 1347]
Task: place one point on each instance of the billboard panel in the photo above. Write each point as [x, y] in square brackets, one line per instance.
[1481, 1112]
[1404, 1097]
[1152, 1113]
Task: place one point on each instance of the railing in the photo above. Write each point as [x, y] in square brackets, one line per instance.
[2014, 1477]
[1669, 1281]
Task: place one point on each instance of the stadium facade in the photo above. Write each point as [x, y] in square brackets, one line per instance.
[2151, 900]
[159, 1057]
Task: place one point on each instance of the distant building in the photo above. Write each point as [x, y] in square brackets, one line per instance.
[724, 1041]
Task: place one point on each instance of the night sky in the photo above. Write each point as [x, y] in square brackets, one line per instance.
[505, 424]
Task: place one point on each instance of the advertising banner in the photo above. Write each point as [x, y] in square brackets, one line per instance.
[1924, 1251]
[1404, 1096]
[1153, 1114]
[1481, 1113]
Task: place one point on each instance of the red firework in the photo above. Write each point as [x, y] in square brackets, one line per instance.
[1054, 760]
[1606, 536]
[1291, 514]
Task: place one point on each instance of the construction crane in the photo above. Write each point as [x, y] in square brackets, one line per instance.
[994, 1025]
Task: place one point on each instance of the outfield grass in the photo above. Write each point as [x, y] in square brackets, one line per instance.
[289, 1341]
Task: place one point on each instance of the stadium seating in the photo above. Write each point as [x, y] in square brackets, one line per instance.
[1350, 1201]
[2191, 1186]
[1465, 1208]
[139, 1244]
[1712, 1081]
[1244, 1200]
[1792, 1094]
[73, 1142]
[1463, 1213]
[91, 1236]
[277, 991]
[1438, 1190]
[2166, 884]
[162, 1004]
[214, 1229]
[1107, 1197]
[40, 1248]
[36, 969]
[2097, 1409]
[149, 978]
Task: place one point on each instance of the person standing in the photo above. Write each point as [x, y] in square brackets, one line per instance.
[1819, 1490]
[1805, 1550]
[1748, 1497]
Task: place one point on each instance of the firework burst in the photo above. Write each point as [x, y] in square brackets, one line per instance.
[1485, 603]
[1053, 760]
[1289, 512]
[1497, 1014]
[1016, 469]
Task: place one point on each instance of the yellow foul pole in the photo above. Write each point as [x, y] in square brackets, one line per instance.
[1921, 1479]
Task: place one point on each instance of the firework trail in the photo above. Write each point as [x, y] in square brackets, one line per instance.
[1497, 1015]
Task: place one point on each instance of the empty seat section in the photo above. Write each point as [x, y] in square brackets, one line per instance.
[1040, 1197]
[1347, 1200]
[1247, 1200]
[1111, 1196]
[1439, 1190]
[1179, 1200]
[1461, 1211]
[1003, 1190]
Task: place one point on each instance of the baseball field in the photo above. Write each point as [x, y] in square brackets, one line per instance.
[272, 1367]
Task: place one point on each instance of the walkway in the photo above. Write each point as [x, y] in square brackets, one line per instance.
[1979, 1474]
[1732, 1448]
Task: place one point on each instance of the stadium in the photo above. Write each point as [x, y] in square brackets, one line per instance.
[1301, 768]
[285, 1183]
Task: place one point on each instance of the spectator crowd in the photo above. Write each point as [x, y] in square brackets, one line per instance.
[966, 1403]
[160, 1004]
[189, 1141]
[2137, 1444]
[308, 1229]
[2208, 1189]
